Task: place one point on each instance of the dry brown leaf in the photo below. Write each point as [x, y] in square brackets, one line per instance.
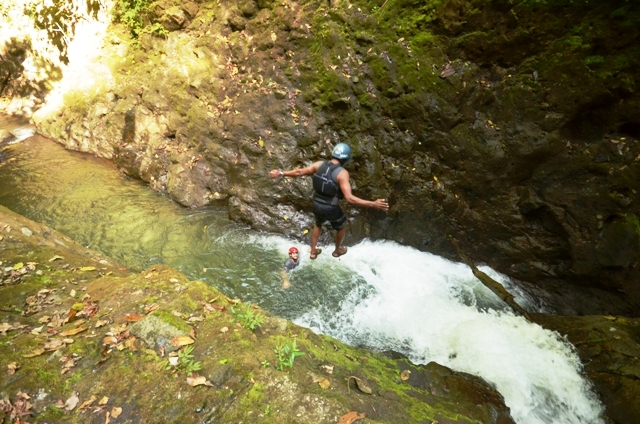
[116, 411]
[4, 327]
[54, 344]
[129, 344]
[182, 341]
[103, 401]
[350, 417]
[150, 308]
[109, 340]
[363, 387]
[328, 368]
[74, 331]
[324, 383]
[198, 381]
[101, 323]
[132, 318]
[404, 375]
[12, 367]
[36, 352]
[87, 403]
[120, 328]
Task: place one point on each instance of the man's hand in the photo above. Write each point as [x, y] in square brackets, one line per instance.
[381, 204]
[275, 173]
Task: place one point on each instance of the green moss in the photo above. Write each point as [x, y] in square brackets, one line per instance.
[172, 320]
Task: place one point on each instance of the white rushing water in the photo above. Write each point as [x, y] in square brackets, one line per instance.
[432, 309]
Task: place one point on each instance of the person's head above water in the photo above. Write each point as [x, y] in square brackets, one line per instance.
[293, 253]
[342, 152]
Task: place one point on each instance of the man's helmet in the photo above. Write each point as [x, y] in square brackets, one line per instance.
[293, 250]
[341, 152]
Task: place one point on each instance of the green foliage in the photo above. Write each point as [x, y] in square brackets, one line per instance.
[185, 362]
[286, 354]
[265, 364]
[133, 14]
[247, 318]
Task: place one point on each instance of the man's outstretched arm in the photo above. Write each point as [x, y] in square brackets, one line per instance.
[309, 170]
[345, 187]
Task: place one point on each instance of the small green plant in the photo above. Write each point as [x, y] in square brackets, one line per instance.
[247, 318]
[183, 362]
[265, 364]
[267, 410]
[286, 354]
[133, 13]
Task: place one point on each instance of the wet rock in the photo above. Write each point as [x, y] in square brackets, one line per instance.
[156, 333]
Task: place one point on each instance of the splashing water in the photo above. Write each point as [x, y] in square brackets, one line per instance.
[432, 309]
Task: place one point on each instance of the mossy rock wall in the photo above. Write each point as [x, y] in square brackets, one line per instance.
[511, 127]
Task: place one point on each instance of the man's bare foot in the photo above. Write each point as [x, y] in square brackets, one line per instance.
[341, 251]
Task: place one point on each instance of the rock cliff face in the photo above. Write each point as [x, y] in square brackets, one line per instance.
[511, 127]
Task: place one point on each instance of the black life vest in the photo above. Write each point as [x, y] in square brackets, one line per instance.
[325, 183]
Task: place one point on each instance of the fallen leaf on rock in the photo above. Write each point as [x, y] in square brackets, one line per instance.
[324, 383]
[224, 329]
[89, 310]
[234, 301]
[4, 327]
[150, 308]
[73, 293]
[173, 361]
[116, 411]
[54, 344]
[103, 401]
[109, 340]
[129, 343]
[196, 319]
[350, 417]
[182, 341]
[176, 314]
[328, 368]
[174, 280]
[12, 367]
[55, 258]
[363, 387]
[133, 318]
[72, 402]
[88, 268]
[36, 352]
[87, 403]
[73, 332]
[198, 381]
[120, 328]
[404, 375]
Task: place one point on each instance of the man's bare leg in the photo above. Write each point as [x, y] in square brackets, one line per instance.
[315, 235]
[339, 237]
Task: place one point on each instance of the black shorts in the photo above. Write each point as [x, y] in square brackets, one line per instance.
[330, 213]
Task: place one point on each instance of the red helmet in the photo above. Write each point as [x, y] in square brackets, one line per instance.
[293, 250]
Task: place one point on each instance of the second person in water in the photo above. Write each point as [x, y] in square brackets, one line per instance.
[330, 184]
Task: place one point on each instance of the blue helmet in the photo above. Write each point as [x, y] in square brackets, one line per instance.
[341, 152]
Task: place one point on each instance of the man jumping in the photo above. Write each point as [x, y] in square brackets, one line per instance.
[330, 184]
